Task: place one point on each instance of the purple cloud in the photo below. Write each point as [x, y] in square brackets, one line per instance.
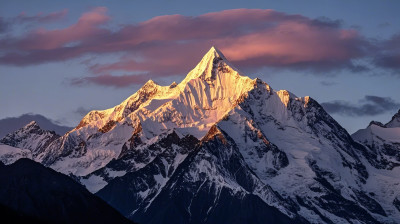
[172, 44]
[368, 106]
[111, 80]
[41, 17]
[389, 56]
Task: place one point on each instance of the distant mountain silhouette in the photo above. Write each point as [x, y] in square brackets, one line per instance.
[11, 124]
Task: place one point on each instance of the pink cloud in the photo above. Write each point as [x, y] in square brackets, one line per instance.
[42, 39]
[172, 44]
[160, 60]
[292, 43]
[111, 80]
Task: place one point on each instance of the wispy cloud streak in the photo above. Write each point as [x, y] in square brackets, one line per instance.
[170, 45]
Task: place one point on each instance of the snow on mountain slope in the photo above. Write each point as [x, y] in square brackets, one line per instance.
[30, 137]
[68, 153]
[9, 154]
[383, 143]
[309, 147]
[395, 122]
[79, 153]
[192, 106]
[378, 132]
[195, 104]
[169, 148]
[291, 144]
[11, 124]
[218, 143]
[374, 133]
[211, 180]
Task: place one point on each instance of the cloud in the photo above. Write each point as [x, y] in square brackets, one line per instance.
[249, 38]
[368, 106]
[7, 23]
[111, 80]
[384, 25]
[267, 33]
[4, 25]
[172, 44]
[82, 111]
[42, 45]
[41, 17]
[328, 83]
[325, 21]
[389, 56]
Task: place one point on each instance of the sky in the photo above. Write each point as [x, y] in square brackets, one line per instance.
[62, 59]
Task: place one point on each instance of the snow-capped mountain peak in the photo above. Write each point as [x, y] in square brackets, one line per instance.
[212, 84]
[191, 107]
[213, 60]
[30, 137]
[218, 142]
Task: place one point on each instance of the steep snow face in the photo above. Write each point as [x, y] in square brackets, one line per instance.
[142, 98]
[294, 146]
[81, 153]
[205, 99]
[395, 122]
[383, 144]
[377, 134]
[207, 93]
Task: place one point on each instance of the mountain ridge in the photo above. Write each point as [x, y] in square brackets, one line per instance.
[231, 141]
[11, 124]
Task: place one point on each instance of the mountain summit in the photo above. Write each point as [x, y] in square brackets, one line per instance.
[220, 147]
[190, 107]
[211, 61]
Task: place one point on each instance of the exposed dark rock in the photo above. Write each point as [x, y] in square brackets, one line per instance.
[33, 192]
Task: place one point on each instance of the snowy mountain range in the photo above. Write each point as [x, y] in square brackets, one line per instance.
[11, 124]
[220, 147]
[383, 140]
